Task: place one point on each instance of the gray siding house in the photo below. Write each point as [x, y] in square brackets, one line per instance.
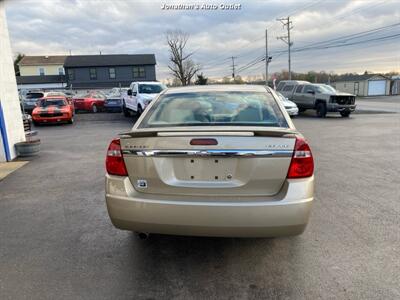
[107, 71]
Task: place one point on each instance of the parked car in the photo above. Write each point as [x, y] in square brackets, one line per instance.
[93, 102]
[113, 103]
[320, 97]
[30, 100]
[139, 96]
[53, 110]
[60, 94]
[116, 91]
[290, 106]
[216, 160]
[27, 120]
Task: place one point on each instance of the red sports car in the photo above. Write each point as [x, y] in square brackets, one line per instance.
[53, 110]
[93, 102]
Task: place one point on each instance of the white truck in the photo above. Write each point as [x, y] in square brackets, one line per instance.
[139, 95]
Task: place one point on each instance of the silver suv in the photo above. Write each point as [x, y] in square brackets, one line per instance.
[321, 97]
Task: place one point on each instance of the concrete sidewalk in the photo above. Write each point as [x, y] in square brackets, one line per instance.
[8, 167]
[379, 104]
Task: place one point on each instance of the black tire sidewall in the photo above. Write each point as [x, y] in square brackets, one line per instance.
[139, 110]
[345, 114]
[321, 110]
[124, 109]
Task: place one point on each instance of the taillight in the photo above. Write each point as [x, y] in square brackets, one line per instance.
[302, 164]
[203, 142]
[115, 164]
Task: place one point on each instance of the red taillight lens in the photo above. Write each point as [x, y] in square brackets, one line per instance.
[302, 164]
[203, 142]
[115, 164]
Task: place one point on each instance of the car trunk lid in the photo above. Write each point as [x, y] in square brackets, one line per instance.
[241, 163]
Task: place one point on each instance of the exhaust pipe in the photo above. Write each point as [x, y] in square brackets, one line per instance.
[143, 235]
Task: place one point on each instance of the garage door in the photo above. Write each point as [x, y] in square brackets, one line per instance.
[376, 87]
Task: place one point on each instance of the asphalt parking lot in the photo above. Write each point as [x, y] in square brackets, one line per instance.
[56, 240]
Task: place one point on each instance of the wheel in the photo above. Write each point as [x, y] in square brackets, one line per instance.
[125, 110]
[94, 108]
[139, 110]
[345, 113]
[36, 123]
[71, 121]
[321, 110]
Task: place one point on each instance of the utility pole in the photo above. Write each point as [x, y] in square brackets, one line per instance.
[286, 38]
[267, 57]
[233, 66]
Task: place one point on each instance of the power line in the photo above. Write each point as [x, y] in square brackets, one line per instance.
[309, 46]
[354, 35]
[286, 38]
[295, 11]
[338, 44]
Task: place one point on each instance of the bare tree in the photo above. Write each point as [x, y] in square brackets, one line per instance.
[182, 66]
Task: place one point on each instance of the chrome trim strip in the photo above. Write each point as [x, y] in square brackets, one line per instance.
[209, 152]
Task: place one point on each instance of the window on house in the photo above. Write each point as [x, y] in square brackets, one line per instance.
[71, 75]
[93, 73]
[60, 71]
[139, 72]
[41, 71]
[111, 73]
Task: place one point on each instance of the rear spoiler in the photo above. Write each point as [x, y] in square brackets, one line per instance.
[281, 132]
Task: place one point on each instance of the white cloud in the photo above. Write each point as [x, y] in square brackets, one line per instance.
[131, 26]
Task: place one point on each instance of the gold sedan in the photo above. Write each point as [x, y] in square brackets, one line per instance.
[216, 160]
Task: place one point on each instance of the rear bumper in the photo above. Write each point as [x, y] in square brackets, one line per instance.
[334, 107]
[113, 108]
[287, 213]
[292, 111]
[52, 119]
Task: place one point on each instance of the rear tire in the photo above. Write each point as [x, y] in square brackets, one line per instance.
[321, 110]
[94, 108]
[345, 113]
[125, 110]
[139, 111]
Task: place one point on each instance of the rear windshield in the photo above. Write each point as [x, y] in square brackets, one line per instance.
[34, 95]
[215, 109]
[151, 88]
[55, 94]
[52, 102]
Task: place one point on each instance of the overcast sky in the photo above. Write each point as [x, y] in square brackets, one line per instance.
[50, 27]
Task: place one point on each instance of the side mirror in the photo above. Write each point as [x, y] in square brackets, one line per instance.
[134, 93]
[129, 92]
[311, 92]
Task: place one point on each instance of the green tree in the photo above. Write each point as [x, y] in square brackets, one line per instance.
[238, 80]
[201, 80]
[16, 61]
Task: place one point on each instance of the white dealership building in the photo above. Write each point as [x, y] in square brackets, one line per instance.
[11, 125]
